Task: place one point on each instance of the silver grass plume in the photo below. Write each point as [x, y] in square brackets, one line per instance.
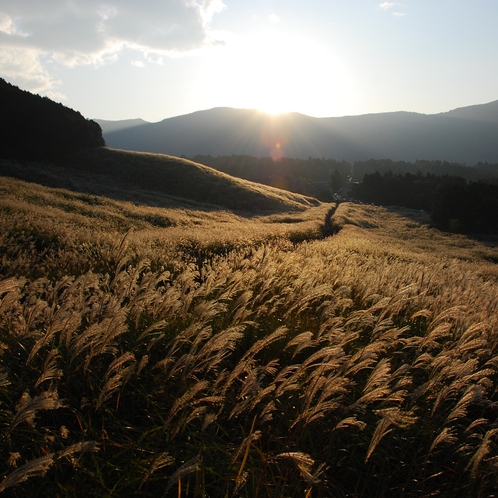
[162, 460]
[246, 362]
[186, 399]
[481, 452]
[187, 468]
[447, 435]
[380, 431]
[117, 376]
[303, 462]
[48, 400]
[12, 290]
[351, 421]
[81, 447]
[33, 468]
[50, 370]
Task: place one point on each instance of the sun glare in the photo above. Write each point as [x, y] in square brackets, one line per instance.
[276, 72]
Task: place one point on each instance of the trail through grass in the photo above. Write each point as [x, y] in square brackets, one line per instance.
[176, 352]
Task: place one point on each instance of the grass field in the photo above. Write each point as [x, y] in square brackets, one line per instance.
[185, 351]
[155, 179]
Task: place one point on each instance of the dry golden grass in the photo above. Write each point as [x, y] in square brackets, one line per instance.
[223, 355]
[157, 180]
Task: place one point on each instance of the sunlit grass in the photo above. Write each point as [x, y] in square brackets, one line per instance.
[213, 354]
[157, 179]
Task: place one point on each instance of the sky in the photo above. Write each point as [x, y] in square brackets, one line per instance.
[154, 59]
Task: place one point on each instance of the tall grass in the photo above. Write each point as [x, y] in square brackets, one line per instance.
[249, 361]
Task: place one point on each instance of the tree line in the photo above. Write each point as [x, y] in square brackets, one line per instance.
[454, 203]
[309, 177]
[37, 128]
[322, 178]
[458, 197]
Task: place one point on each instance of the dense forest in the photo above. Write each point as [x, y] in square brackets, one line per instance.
[460, 198]
[37, 128]
[321, 178]
[454, 203]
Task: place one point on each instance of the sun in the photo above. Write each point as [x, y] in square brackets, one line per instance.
[272, 85]
[275, 72]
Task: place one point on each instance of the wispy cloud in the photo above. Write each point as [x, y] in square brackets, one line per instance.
[25, 68]
[274, 18]
[387, 5]
[34, 35]
[9, 27]
[390, 5]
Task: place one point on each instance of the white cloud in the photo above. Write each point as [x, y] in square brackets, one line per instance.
[209, 8]
[389, 5]
[91, 32]
[56, 96]
[8, 26]
[24, 67]
[274, 18]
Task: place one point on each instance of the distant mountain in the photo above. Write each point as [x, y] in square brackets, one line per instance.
[123, 124]
[466, 135]
[47, 143]
[37, 128]
[484, 113]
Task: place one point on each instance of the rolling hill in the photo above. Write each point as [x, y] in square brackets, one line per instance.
[180, 349]
[155, 179]
[47, 143]
[466, 135]
[153, 352]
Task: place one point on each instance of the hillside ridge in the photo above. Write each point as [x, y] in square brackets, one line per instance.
[464, 135]
[37, 128]
[50, 144]
[155, 179]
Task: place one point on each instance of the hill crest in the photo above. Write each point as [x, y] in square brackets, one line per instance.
[156, 179]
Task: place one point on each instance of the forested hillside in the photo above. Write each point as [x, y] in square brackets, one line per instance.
[322, 177]
[36, 128]
[454, 203]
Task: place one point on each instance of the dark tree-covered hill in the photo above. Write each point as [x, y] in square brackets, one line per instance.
[37, 128]
[454, 203]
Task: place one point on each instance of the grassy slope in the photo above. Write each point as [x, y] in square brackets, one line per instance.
[205, 352]
[155, 179]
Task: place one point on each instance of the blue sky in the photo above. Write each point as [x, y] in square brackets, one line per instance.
[120, 59]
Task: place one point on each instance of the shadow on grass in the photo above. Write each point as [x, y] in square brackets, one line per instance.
[156, 180]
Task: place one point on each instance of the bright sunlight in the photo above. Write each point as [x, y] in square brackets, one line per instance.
[266, 72]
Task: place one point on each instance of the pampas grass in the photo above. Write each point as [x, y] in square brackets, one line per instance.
[222, 356]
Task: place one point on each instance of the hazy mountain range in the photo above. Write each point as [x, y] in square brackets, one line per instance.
[466, 135]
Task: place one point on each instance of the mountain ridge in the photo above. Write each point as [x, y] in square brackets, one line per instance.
[465, 135]
[45, 142]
